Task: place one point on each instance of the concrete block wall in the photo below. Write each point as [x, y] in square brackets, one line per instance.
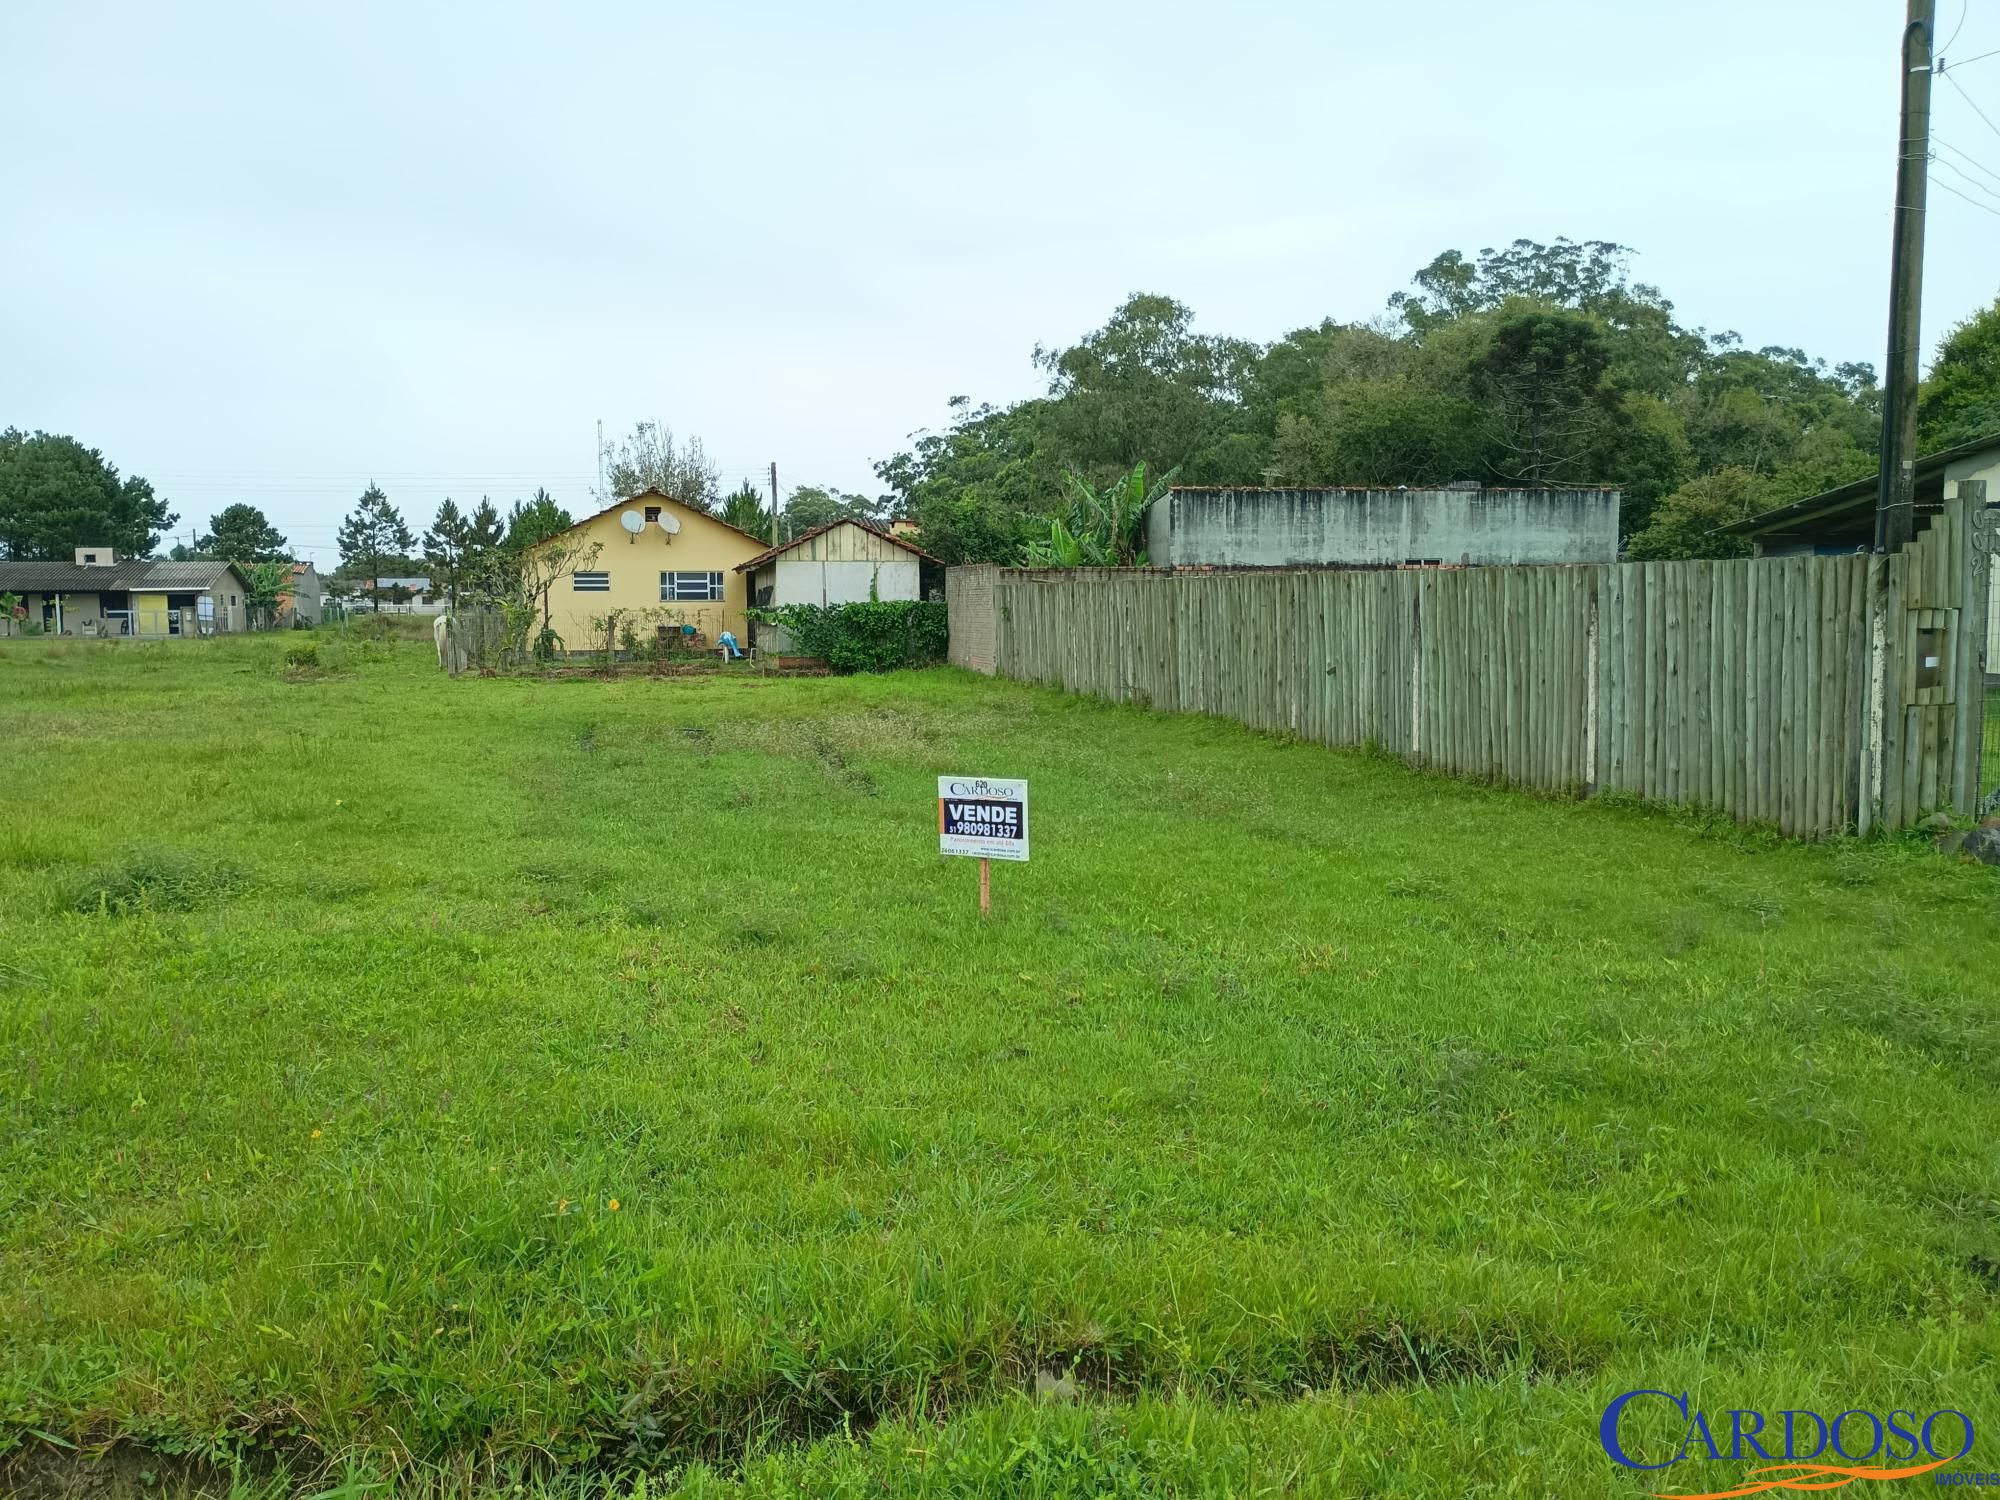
[1276, 528]
[968, 599]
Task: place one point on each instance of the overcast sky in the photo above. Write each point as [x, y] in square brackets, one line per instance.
[266, 253]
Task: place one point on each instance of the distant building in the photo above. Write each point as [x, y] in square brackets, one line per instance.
[306, 599]
[410, 596]
[103, 594]
[1357, 527]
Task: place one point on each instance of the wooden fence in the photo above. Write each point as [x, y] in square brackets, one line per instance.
[1814, 693]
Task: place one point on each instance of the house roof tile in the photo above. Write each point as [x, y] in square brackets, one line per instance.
[118, 577]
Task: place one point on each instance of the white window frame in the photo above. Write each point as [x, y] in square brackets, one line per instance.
[598, 583]
[712, 585]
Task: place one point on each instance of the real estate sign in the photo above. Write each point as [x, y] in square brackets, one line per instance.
[982, 817]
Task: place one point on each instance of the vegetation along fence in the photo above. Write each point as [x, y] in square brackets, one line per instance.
[1815, 693]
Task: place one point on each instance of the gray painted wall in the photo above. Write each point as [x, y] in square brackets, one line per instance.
[1267, 528]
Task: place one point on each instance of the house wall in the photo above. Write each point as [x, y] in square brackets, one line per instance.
[843, 565]
[151, 611]
[830, 581]
[305, 600]
[76, 609]
[79, 608]
[1253, 528]
[1982, 466]
[635, 562]
[231, 613]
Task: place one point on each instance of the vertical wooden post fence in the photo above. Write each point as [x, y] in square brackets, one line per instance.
[1817, 694]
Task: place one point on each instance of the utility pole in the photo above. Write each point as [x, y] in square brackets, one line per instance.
[600, 462]
[1895, 504]
[775, 538]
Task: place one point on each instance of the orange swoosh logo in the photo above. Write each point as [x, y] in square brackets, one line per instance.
[1796, 1477]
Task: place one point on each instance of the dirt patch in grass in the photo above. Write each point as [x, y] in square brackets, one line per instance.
[42, 1471]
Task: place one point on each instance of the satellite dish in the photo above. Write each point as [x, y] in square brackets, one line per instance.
[632, 521]
[670, 523]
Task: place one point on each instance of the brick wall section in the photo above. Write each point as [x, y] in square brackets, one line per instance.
[968, 597]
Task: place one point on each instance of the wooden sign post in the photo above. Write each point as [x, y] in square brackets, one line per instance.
[985, 819]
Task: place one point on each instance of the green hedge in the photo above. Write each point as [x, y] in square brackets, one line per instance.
[877, 636]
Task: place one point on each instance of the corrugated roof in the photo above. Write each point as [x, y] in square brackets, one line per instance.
[40, 576]
[119, 577]
[183, 575]
[805, 536]
[1855, 495]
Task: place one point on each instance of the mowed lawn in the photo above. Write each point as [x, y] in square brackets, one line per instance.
[456, 1084]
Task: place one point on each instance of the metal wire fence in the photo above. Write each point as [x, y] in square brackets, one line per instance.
[1989, 765]
[1985, 538]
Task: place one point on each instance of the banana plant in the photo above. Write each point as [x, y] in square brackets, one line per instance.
[1103, 528]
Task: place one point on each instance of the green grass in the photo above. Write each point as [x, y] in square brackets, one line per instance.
[1301, 1120]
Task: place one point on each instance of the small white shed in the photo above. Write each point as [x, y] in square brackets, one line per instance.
[842, 562]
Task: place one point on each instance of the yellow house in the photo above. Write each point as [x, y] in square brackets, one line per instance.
[648, 562]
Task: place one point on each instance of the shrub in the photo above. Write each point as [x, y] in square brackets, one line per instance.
[304, 657]
[372, 627]
[879, 635]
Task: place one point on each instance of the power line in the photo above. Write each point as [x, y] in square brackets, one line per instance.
[1968, 178]
[1973, 107]
[1971, 60]
[1969, 199]
[1967, 157]
[1964, 9]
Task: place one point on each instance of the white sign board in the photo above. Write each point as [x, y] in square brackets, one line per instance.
[984, 818]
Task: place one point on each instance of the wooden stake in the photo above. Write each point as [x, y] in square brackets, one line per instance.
[986, 887]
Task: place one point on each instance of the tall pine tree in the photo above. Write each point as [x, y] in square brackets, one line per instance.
[446, 548]
[372, 536]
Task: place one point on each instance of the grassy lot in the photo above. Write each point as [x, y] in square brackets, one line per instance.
[464, 1083]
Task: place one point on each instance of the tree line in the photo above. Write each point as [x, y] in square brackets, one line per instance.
[1528, 365]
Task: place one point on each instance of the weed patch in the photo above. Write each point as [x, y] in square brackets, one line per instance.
[162, 880]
